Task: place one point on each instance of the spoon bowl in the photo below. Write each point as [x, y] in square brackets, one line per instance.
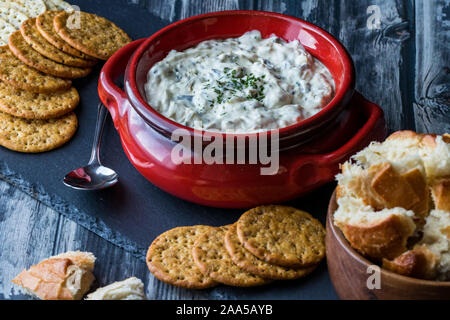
[91, 177]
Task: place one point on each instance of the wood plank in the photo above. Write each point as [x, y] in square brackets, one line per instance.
[192, 8]
[31, 232]
[377, 52]
[27, 233]
[163, 9]
[432, 78]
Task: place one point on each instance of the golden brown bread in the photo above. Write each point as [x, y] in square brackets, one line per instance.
[382, 187]
[64, 277]
[391, 184]
[391, 189]
[385, 239]
[418, 263]
[441, 194]
[419, 185]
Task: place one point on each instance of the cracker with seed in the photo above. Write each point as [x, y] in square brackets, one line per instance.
[46, 27]
[11, 15]
[170, 260]
[29, 105]
[95, 36]
[17, 74]
[16, 4]
[33, 8]
[213, 260]
[58, 5]
[50, 5]
[33, 136]
[282, 236]
[34, 38]
[34, 59]
[6, 30]
[250, 263]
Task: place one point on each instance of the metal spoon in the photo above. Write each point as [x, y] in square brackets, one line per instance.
[94, 176]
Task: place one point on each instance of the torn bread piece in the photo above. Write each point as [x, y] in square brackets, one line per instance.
[407, 150]
[436, 236]
[441, 194]
[129, 289]
[420, 262]
[436, 156]
[64, 277]
[382, 187]
[401, 150]
[375, 234]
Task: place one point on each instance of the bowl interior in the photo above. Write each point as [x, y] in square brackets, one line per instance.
[191, 31]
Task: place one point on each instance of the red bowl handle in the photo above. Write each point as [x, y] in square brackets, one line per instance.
[315, 170]
[110, 94]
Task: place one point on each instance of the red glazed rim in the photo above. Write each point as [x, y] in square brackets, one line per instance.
[347, 86]
[366, 263]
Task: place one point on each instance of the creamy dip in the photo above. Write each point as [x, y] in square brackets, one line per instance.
[240, 85]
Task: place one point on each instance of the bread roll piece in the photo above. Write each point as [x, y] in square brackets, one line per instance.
[382, 187]
[378, 235]
[419, 263]
[441, 194]
[385, 187]
[407, 150]
[436, 236]
[436, 156]
[129, 289]
[64, 277]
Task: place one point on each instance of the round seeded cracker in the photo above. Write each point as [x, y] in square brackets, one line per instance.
[17, 74]
[95, 36]
[33, 8]
[58, 5]
[31, 105]
[282, 236]
[33, 136]
[34, 59]
[250, 263]
[213, 260]
[11, 15]
[45, 25]
[34, 38]
[16, 4]
[170, 260]
[6, 29]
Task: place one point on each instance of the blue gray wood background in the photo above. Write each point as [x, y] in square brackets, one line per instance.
[402, 62]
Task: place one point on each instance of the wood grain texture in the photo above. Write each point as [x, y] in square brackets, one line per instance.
[432, 79]
[403, 66]
[377, 54]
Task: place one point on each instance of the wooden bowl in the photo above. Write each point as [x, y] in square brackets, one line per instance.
[350, 272]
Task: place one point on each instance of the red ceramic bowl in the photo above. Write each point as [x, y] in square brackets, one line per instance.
[310, 150]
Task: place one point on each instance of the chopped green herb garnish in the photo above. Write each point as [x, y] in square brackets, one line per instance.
[230, 85]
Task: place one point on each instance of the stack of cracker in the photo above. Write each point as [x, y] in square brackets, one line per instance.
[267, 243]
[41, 53]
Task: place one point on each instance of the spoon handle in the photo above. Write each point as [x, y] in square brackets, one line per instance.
[101, 119]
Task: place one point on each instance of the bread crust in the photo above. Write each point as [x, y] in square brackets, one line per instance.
[390, 188]
[418, 263]
[64, 277]
[385, 239]
[441, 194]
